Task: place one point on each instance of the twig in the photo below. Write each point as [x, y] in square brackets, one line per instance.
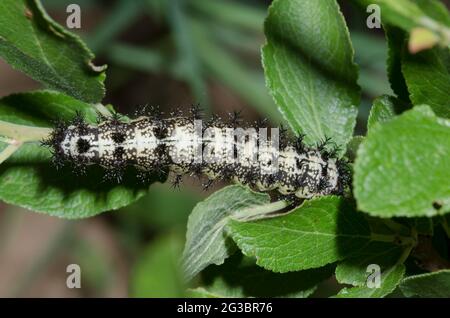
[16, 135]
[8, 151]
[260, 211]
[102, 110]
[22, 133]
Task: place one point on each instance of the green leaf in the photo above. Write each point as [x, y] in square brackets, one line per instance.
[360, 270]
[435, 9]
[309, 69]
[421, 39]
[383, 109]
[430, 285]
[423, 78]
[389, 281]
[354, 270]
[240, 277]
[402, 167]
[30, 41]
[396, 40]
[41, 108]
[401, 13]
[352, 147]
[42, 188]
[427, 75]
[408, 15]
[157, 272]
[206, 241]
[319, 232]
[400, 17]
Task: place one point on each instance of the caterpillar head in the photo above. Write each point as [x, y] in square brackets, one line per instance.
[79, 144]
[71, 142]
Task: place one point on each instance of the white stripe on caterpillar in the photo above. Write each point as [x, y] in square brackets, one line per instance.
[151, 143]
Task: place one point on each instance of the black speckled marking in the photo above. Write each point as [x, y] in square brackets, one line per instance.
[119, 153]
[118, 137]
[83, 145]
[155, 144]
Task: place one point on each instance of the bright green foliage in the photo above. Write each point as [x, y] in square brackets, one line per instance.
[430, 285]
[241, 277]
[383, 109]
[427, 75]
[33, 43]
[319, 232]
[206, 242]
[423, 77]
[389, 280]
[353, 270]
[309, 68]
[42, 187]
[402, 167]
[411, 14]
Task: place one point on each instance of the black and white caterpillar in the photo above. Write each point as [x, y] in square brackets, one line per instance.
[186, 145]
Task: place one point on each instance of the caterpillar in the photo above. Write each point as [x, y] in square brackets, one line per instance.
[183, 144]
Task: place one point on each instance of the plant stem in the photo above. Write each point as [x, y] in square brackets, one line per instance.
[405, 254]
[396, 227]
[6, 140]
[102, 110]
[439, 28]
[22, 133]
[8, 151]
[401, 240]
[260, 211]
[16, 135]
